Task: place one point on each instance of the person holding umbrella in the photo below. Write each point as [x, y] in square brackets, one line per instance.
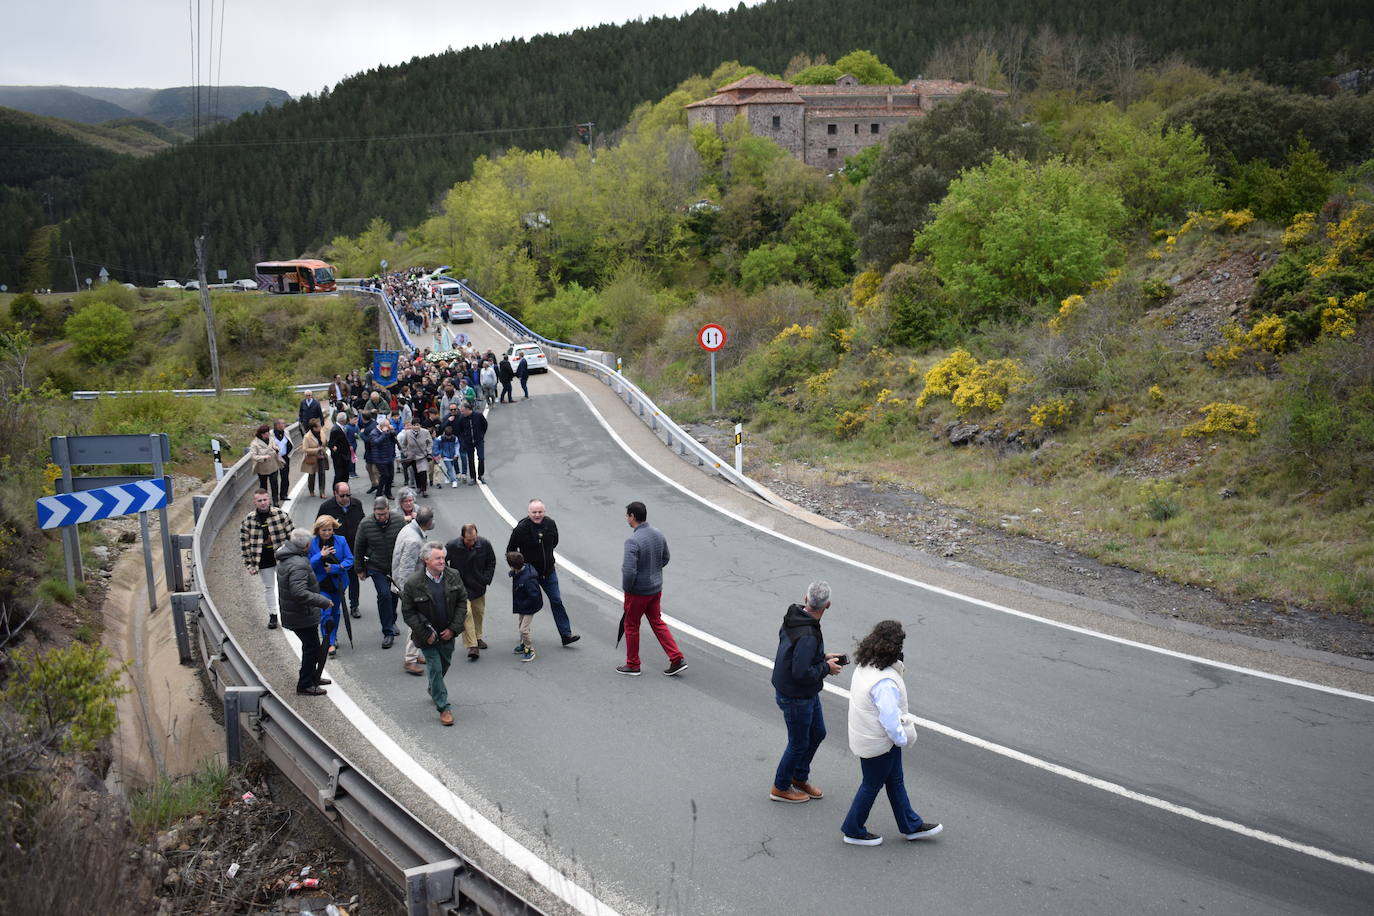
[331, 560]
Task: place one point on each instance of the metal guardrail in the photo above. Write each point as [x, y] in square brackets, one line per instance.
[513, 324]
[676, 438]
[183, 392]
[438, 879]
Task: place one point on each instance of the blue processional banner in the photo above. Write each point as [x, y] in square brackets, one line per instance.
[385, 366]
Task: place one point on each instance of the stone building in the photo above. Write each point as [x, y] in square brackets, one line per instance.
[821, 125]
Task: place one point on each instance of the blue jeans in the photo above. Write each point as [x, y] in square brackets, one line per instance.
[883, 771]
[805, 732]
[549, 584]
[386, 602]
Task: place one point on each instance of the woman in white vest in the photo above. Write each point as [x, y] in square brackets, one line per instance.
[879, 727]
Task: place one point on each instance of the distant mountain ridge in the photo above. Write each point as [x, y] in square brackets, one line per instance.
[168, 107]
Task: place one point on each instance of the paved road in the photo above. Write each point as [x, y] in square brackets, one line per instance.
[651, 792]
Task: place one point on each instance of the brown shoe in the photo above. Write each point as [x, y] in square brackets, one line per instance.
[791, 796]
[412, 668]
[473, 654]
[807, 788]
[482, 644]
[445, 717]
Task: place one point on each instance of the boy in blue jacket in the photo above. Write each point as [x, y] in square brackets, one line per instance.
[526, 600]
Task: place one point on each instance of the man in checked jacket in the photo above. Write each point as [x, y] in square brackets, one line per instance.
[263, 531]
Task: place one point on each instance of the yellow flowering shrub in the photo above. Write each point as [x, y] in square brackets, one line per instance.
[1225, 418]
[1067, 307]
[845, 338]
[986, 388]
[848, 423]
[796, 331]
[1112, 278]
[1346, 236]
[1300, 230]
[1156, 394]
[1154, 254]
[945, 376]
[1236, 220]
[50, 474]
[1051, 414]
[1338, 322]
[1170, 243]
[1268, 335]
[865, 290]
[818, 384]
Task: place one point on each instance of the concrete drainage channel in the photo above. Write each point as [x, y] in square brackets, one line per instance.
[437, 879]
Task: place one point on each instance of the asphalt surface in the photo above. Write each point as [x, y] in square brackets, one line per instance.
[651, 793]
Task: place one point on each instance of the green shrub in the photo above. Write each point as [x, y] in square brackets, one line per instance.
[100, 333]
[1156, 289]
[1160, 501]
[1324, 426]
[57, 590]
[65, 697]
[171, 800]
[26, 310]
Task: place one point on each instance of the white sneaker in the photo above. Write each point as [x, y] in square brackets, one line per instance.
[925, 832]
[454, 484]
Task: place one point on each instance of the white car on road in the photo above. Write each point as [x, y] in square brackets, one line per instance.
[534, 355]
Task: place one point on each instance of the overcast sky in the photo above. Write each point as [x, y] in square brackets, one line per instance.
[297, 45]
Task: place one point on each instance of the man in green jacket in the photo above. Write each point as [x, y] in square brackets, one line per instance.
[435, 605]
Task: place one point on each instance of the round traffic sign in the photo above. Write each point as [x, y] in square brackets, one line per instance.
[711, 337]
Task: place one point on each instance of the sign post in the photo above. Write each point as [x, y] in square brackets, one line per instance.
[739, 448]
[712, 338]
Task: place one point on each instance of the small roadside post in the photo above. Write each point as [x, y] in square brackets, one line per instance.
[739, 448]
[712, 338]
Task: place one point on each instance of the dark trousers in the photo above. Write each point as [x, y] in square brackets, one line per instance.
[549, 584]
[438, 657]
[354, 589]
[385, 474]
[272, 484]
[506, 393]
[647, 606]
[881, 772]
[805, 732]
[314, 480]
[386, 602]
[525, 386]
[474, 459]
[342, 471]
[312, 657]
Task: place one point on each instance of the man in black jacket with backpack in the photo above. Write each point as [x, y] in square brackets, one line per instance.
[799, 671]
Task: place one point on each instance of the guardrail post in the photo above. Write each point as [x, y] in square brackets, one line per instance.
[237, 701]
[197, 504]
[431, 890]
[184, 603]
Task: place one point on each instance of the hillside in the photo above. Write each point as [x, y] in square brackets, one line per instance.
[168, 107]
[288, 179]
[21, 131]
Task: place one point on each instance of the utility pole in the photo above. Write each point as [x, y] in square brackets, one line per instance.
[76, 283]
[209, 311]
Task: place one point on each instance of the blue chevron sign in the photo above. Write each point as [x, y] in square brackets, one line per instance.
[105, 502]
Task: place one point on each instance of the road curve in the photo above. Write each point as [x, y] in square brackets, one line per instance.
[1074, 774]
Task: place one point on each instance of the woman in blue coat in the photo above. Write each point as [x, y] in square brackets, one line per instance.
[331, 559]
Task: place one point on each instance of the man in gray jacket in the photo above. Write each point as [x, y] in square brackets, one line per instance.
[641, 575]
[406, 561]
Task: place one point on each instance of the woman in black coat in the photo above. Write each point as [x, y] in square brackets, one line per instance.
[300, 602]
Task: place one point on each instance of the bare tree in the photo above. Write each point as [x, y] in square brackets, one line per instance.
[1122, 60]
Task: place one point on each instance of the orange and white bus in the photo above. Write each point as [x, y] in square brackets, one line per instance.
[299, 276]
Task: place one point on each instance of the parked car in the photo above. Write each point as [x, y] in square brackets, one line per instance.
[534, 355]
[168, 284]
[191, 284]
[244, 285]
[459, 311]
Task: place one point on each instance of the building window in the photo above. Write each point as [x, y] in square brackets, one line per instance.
[872, 129]
[831, 153]
[856, 130]
[777, 122]
[832, 128]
